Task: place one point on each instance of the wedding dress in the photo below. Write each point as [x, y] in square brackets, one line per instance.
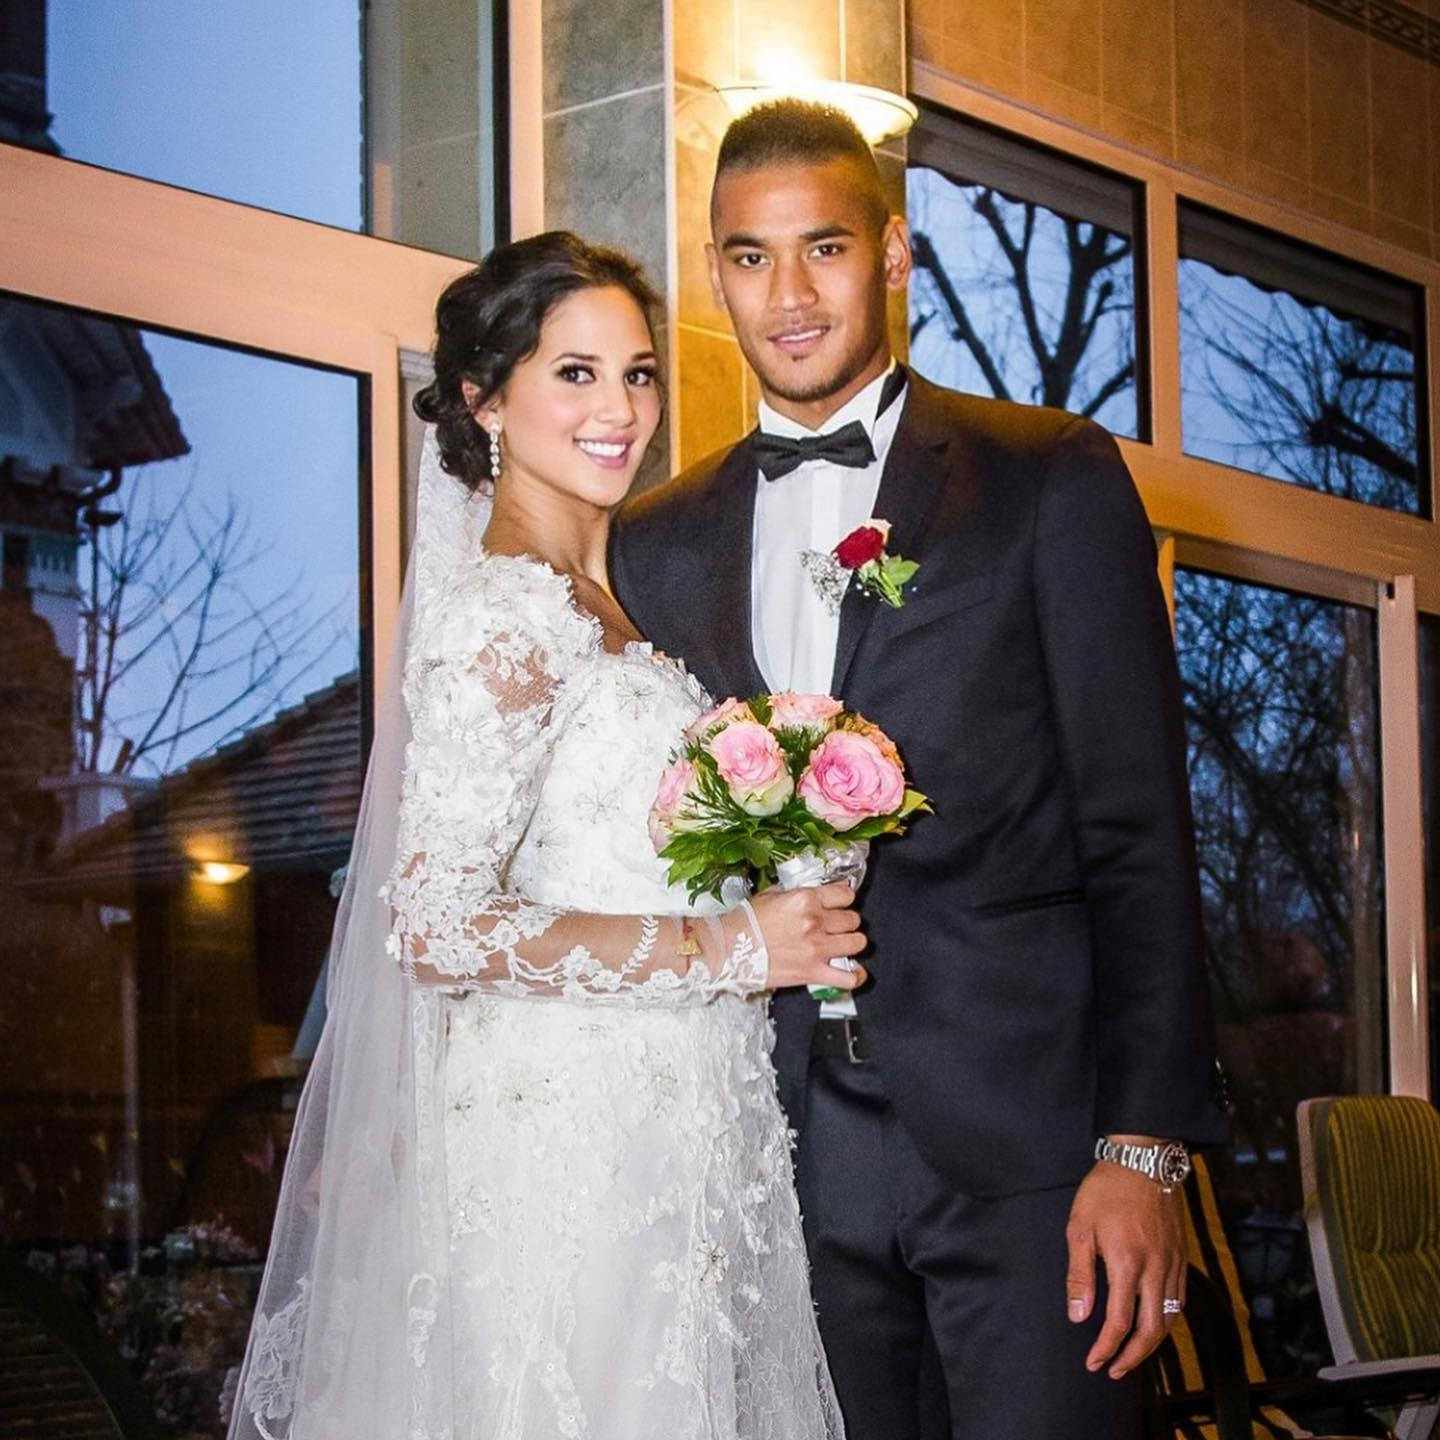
[584, 1222]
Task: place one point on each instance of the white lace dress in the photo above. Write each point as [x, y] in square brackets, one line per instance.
[626, 1258]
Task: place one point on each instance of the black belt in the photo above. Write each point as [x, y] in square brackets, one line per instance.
[840, 1038]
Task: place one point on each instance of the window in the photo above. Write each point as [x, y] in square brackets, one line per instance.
[1430, 763]
[1281, 720]
[205, 97]
[1299, 365]
[181, 743]
[1025, 274]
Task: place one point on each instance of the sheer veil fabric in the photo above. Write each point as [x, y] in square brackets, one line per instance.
[360, 1237]
[539, 1182]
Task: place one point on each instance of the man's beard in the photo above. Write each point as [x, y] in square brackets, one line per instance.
[807, 393]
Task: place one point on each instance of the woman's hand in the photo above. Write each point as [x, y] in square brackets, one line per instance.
[805, 929]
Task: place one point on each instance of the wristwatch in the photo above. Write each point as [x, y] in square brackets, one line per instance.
[1166, 1163]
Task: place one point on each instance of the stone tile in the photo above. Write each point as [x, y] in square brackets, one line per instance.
[711, 397]
[1138, 130]
[1209, 57]
[926, 45]
[1400, 137]
[1339, 109]
[700, 122]
[874, 44]
[1415, 238]
[993, 71]
[1138, 61]
[1275, 86]
[1435, 150]
[586, 58]
[437, 200]
[994, 26]
[1214, 161]
[438, 95]
[927, 14]
[605, 176]
[1062, 43]
[1062, 101]
[799, 39]
[1278, 185]
[705, 41]
[1341, 210]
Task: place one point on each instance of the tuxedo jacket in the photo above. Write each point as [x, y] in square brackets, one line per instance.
[1035, 946]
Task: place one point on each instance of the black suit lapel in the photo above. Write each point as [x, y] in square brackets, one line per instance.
[730, 542]
[909, 488]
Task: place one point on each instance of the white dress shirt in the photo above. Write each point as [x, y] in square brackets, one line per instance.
[814, 507]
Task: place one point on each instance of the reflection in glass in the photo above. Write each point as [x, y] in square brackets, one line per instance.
[1024, 284]
[1281, 721]
[257, 102]
[1430, 784]
[1298, 365]
[179, 777]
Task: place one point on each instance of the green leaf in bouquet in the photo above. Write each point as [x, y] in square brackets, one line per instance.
[899, 571]
[758, 850]
[914, 801]
[761, 708]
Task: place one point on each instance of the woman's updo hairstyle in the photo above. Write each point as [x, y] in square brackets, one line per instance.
[489, 320]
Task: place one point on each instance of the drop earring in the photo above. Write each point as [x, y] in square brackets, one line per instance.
[494, 429]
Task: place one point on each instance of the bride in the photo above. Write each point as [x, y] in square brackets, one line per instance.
[540, 1181]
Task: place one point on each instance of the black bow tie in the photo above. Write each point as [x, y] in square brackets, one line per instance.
[778, 455]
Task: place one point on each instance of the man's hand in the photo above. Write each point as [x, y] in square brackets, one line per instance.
[1138, 1230]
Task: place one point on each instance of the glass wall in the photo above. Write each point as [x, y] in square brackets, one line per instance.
[180, 753]
[1025, 274]
[205, 97]
[1282, 726]
[1300, 366]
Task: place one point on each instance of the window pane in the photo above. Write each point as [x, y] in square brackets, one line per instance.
[1024, 284]
[180, 748]
[1281, 720]
[251, 100]
[1299, 365]
[1430, 780]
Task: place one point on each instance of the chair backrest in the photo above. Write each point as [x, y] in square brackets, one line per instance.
[1370, 1165]
[1182, 1363]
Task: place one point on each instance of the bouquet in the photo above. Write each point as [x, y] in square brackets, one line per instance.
[783, 789]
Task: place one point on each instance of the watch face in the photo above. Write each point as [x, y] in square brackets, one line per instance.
[1173, 1165]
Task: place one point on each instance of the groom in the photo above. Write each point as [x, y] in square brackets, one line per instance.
[1036, 987]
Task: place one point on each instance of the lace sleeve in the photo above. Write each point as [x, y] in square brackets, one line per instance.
[481, 737]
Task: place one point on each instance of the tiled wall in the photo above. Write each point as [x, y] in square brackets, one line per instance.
[1331, 106]
[605, 108]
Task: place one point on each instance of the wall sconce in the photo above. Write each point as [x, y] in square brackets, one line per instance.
[878, 114]
[219, 872]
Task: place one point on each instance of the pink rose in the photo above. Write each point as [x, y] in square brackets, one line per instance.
[791, 710]
[727, 712]
[667, 814]
[752, 764]
[850, 779]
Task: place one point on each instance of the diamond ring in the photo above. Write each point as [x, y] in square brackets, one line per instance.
[1172, 1307]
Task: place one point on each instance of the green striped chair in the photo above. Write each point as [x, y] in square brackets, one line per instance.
[1370, 1165]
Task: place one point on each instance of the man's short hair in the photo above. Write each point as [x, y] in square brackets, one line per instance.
[798, 132]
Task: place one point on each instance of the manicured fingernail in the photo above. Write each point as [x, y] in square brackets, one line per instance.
[1118, 1374]
[1077, 1309]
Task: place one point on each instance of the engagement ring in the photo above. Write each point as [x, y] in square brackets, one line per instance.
[1172, 1307]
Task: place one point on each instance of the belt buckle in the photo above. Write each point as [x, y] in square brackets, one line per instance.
[852, 1036]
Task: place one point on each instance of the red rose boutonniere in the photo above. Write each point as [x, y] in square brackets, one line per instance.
[861, 554]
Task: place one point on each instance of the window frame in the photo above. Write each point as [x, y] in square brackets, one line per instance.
[1213, 517]
[169, 259]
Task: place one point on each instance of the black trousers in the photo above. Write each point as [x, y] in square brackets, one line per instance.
[943, 1314]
